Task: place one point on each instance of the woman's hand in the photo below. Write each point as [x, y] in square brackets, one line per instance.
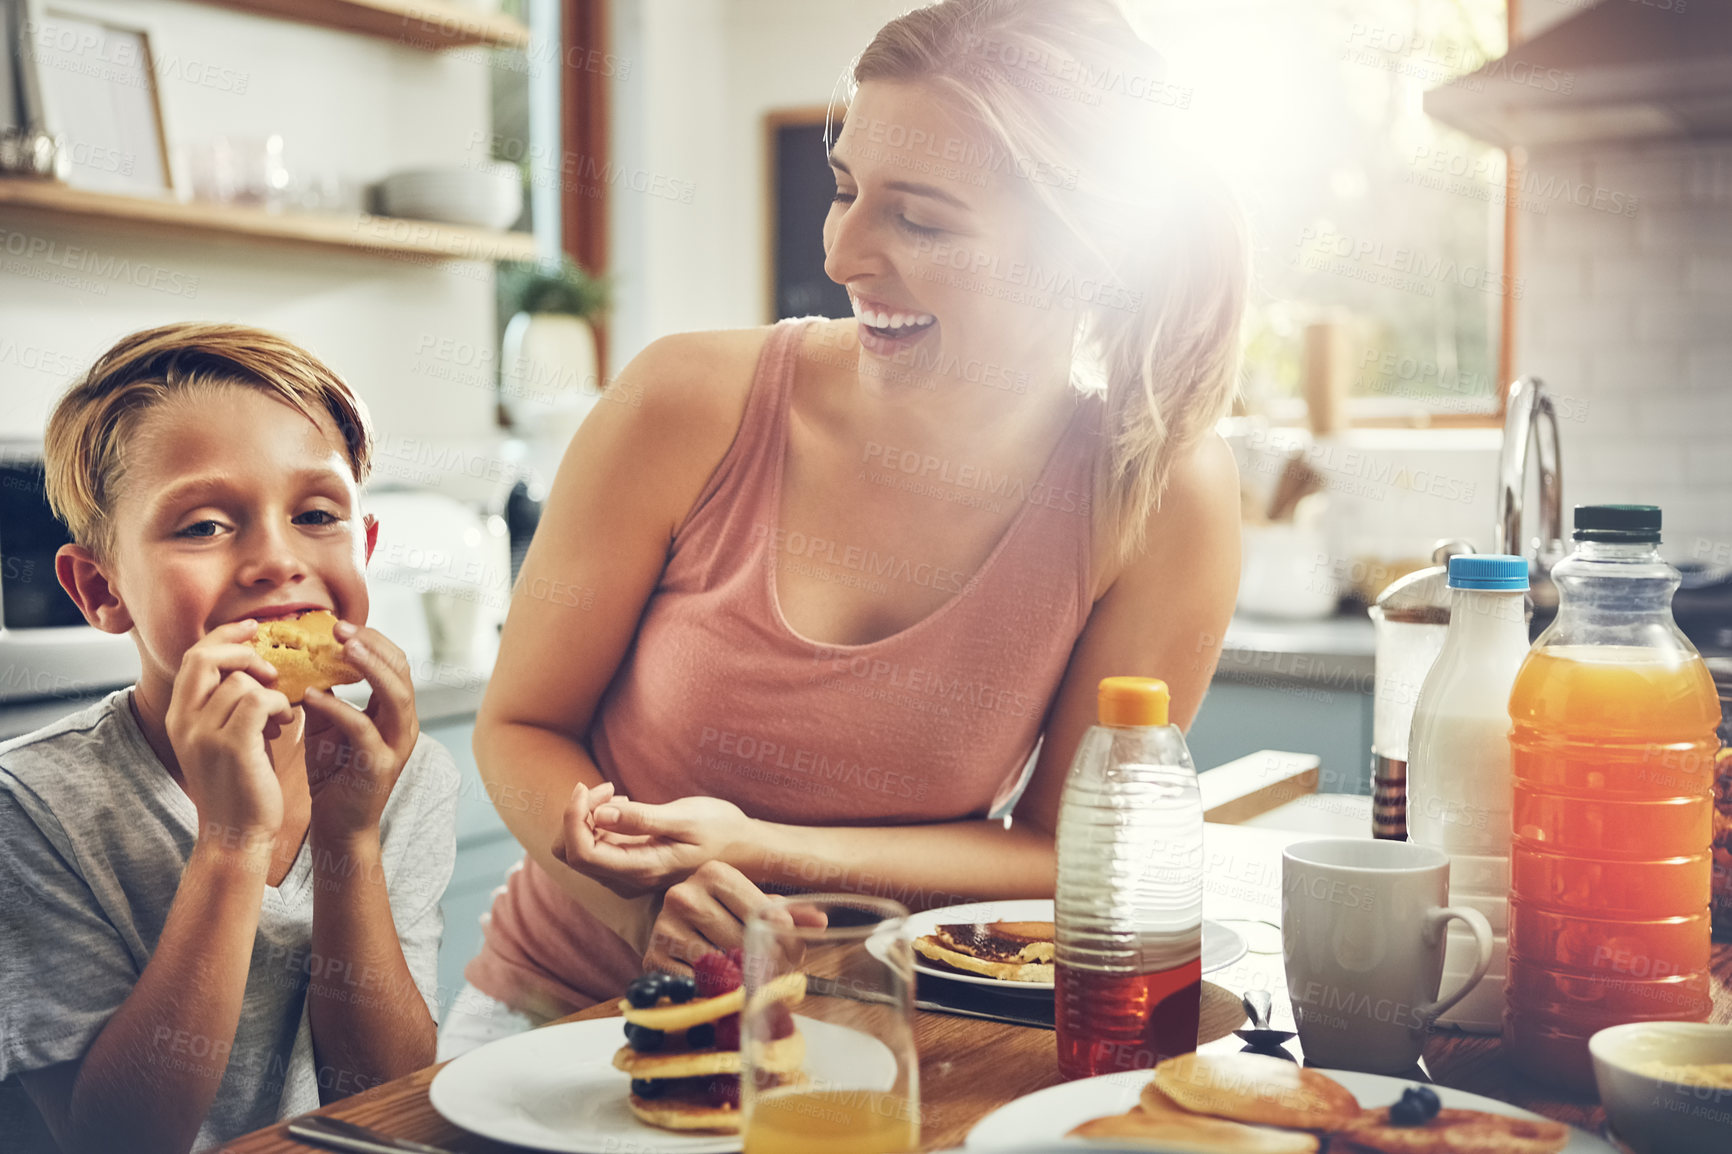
[633, 848]
[707, 912]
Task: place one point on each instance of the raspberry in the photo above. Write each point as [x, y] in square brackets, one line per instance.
[780, 1020]
[724, 1091]
[717, 974]
[738, 957]
[728, 1033]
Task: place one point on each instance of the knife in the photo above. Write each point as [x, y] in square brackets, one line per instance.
[340, 1134]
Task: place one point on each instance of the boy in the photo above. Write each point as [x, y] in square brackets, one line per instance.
[217, 910]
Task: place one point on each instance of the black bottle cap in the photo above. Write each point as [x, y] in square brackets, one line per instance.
[1618, 524]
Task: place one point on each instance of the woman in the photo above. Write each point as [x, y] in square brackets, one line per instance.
[812, 604]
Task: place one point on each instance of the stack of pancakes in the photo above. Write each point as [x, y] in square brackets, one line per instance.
[1008, 951]
[1251, 1104]
[686, 1094]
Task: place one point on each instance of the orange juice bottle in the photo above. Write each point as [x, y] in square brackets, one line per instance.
[1612, 754]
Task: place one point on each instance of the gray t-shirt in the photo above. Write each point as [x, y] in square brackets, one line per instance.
[94, 836]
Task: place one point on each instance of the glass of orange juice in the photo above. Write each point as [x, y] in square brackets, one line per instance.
[827, 1033]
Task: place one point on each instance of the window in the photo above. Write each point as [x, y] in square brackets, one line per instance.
[1366, 214]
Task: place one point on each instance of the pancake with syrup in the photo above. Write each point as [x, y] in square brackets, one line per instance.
[1008, 951]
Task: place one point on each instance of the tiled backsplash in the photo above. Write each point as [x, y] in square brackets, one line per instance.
[1627, 310]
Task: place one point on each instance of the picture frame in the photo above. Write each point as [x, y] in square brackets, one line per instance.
[98, 82]
[798, 187]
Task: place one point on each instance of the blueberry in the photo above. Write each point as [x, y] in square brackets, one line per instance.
[648, 1088]
[679, 988]
[701, 1037]
[643, 1039]
[645, 991]
[1418, 1106]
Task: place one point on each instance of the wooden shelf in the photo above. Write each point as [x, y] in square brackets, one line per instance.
[430, 25]
[376, 235]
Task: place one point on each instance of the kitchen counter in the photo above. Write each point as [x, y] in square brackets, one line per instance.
[1334, 652]
[449, 698]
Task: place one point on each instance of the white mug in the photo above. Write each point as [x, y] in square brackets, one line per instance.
[1363, 925]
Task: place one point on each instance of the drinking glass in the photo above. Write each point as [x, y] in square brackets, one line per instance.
[845, 1080]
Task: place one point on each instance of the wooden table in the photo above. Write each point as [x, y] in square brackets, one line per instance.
[969, 1067]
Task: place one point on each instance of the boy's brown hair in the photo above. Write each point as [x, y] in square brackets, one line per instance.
[88, 434]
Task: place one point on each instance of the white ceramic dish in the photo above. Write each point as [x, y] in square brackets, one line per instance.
[1221, 946]
[1655, 1115]
[556, 1089]
[487, 196]
[1047, 1115]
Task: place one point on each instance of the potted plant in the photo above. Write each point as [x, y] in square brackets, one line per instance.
[548, 376]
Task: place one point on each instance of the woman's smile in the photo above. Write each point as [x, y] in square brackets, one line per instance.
[886, 329]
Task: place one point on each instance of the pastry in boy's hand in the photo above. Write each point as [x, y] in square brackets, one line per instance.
[305, 653]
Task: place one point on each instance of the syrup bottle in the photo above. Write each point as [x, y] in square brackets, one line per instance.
[1129, 902]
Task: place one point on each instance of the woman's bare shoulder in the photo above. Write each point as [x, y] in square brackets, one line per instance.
[700, 375]
[1199, 503]
[676, 409]
[686, 393]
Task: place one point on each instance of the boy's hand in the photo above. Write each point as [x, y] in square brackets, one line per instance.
[354, 756]
[221, 715]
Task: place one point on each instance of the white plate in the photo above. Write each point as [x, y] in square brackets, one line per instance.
[556, 1089]
[1221, 946]
[1047, 1115]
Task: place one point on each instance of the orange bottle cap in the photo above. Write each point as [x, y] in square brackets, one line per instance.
[1133, 701]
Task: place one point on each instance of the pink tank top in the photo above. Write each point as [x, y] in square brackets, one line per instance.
[719, 696]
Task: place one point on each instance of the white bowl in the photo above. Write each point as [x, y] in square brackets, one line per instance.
[488, 196]
[1654, 1115]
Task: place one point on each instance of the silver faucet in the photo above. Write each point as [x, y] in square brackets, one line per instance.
[1530, 417]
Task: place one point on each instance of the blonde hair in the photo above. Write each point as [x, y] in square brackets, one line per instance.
[1072, 96]
[85, 448]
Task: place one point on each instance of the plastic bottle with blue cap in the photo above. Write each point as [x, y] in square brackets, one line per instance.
[1458, 766]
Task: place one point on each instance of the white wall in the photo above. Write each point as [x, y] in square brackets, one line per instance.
[351, 104]
[704, 73]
